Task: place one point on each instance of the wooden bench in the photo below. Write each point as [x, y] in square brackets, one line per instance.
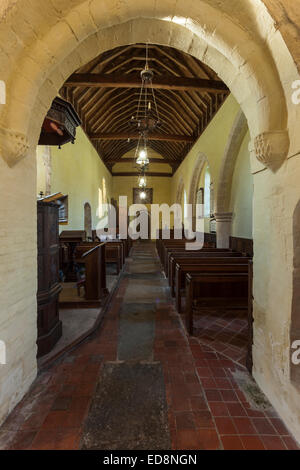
[114, 253]
[219, 265]
[215, 290]
[182, 254]
[191, 258]
[168, 249]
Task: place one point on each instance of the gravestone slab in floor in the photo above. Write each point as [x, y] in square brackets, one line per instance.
[136, 332]
[129, 410]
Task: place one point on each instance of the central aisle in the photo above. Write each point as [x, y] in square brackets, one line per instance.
[140, 383]
[130, 400]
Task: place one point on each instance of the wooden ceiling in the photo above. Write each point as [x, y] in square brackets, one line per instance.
[105, 94]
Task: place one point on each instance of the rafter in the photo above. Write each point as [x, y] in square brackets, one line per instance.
[188, 95]
[125, 81]
[149, 173]
[136, 136]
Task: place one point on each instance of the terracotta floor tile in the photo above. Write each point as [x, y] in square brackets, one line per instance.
[279, 426]
[225, 425]
[273, 443]
[208, 383]
[188, 439]
[244, 426]
[219, 408]
[213, 395]
[252, 443]
[185, 420]
[204, 372]
[198, 403]
[232, 443]
[263, 426]
[223, 383]
[209, 439]
[67, 439]
[236, 409]
[229, 395]
[290, 443]
[203, 419]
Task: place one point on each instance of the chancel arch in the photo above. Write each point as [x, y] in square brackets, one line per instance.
[253, 61]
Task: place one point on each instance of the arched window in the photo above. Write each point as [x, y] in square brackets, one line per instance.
[104, 192]
[185, 211]
[100, 203]
[207, 193]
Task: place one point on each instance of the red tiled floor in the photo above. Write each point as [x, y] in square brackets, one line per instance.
[263, 426]
[219, 409]
[273, 443]
[206, 408]
[187, 439]
[209, 439]
[232, 443]
[225, 426]
[236, 409]
[252, 443]
[224, 332]
[244, 426]
[203, 419]
[185, 420]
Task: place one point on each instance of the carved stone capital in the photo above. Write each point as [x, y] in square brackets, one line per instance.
[223, 217]
[13, 146]
[271, 148]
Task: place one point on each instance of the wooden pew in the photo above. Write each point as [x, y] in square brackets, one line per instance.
[215, 290]
[217, 265]
[168, 249]
[191, 258]
[68, 240]
[93, 259]
[182, 253]
[114, 253]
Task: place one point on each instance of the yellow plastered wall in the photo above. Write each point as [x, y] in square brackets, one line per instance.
[123, 186]
[212, 144]
[77, 171]
[242, 193]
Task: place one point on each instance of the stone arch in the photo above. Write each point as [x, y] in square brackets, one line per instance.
[179, 193]
[88, 220]
[43, 44]
[295, 316]
[198, 168]
[80, 33]
[235, 140]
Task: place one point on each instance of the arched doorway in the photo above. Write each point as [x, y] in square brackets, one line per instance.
[88, 220]
[258, 90]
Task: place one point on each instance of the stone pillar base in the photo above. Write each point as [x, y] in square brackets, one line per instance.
[223, 223]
